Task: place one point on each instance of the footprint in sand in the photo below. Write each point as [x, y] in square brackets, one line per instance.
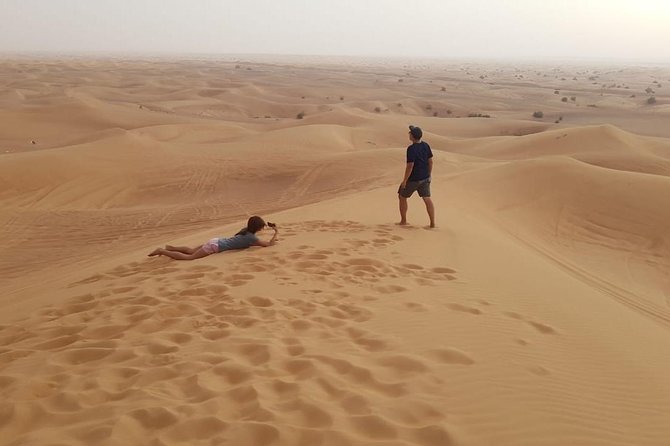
[77, 356]
[539, 371]
[451, 356]
[234, 373]
[367, 340]
[300, 368]
[415, 306]
[216, 334]
[236, 280]
[391, 289]
[293, 346]
[258, 301]
[202, 268]
[464, 309]
[154, 417]
[542, 328]
[190, 276]
[91, 279]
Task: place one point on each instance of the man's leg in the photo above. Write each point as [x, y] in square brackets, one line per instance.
[430, 208]
[403, 210]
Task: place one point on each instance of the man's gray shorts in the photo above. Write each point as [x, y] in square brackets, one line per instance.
[422, 186]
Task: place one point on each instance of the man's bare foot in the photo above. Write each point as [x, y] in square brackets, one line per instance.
[402, 223]
[430, 227]
[155, 252]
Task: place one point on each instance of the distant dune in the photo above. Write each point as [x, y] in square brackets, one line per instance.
[538, 312]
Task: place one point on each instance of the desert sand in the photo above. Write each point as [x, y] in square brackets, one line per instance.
[537, 313]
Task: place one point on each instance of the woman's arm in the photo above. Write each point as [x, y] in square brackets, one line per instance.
[272, 241]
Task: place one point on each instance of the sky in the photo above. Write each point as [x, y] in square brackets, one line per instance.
[637, 30]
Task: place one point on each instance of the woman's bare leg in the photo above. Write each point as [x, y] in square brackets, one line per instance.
[184, 249]
[180, 255]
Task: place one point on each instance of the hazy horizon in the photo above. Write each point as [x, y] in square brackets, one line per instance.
[599, 30]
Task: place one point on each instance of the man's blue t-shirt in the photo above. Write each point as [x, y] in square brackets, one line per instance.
[419, 153]
[237, 242]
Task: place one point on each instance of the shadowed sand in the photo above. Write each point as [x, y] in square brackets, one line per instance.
[537, 312]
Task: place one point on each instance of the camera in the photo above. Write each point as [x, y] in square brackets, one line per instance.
[272, 225]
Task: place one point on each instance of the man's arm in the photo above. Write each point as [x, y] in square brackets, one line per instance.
[430, 166]
[408, 172]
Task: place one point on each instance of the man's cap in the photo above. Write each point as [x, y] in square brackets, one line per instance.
[416, 132]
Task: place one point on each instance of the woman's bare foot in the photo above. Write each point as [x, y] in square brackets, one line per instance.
[402, 223]
[155, 252]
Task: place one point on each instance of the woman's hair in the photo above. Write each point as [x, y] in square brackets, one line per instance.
[254, 225]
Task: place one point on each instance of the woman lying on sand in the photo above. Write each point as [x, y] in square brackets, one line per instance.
[243, 239]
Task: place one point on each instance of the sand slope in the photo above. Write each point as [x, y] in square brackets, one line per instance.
[537, 313]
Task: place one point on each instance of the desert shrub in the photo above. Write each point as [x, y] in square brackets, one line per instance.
[478, 115]
[564, 99]
[538, 114]
[592, 105]
[448, 112]
[399, 104]
[435, 114]
[649, 90]
[237, 67]
[443, 89]
[651, 100]
[341, 98]
[556, 121]
[400, 80]
[573, 98]
[557, 92]
[633, 95]
[378, 110]
[429, 107]
[300, 115]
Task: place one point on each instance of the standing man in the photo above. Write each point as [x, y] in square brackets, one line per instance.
[417, 175]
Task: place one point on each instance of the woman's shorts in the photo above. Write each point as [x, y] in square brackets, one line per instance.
[422, 186]
[212, 246]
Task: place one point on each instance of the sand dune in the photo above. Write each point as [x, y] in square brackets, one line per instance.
[537, 313]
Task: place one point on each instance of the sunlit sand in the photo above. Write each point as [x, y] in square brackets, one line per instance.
[537, 312]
